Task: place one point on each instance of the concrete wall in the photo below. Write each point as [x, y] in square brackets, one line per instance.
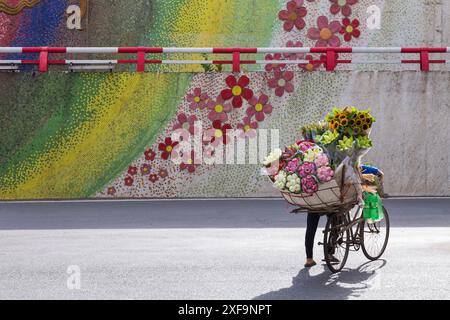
[411, 133]
[78, 136]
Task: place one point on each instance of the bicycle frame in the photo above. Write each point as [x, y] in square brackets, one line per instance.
[348, 223]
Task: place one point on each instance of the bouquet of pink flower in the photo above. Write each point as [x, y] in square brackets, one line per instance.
[302, 167]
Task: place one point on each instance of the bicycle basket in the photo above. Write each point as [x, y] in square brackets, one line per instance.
[344, 191]
[328, 198]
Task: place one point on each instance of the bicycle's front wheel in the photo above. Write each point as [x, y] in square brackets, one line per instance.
[375, 237]
[336, 244]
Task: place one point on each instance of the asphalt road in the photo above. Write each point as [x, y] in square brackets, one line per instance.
[234, 249]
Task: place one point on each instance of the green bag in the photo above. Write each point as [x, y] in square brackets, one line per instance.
[373, 207]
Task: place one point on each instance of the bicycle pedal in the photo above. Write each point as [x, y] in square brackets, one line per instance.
[331, 262]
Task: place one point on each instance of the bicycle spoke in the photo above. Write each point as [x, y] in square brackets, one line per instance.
[374, 238]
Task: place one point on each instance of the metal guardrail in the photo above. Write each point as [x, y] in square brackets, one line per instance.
[330, 59]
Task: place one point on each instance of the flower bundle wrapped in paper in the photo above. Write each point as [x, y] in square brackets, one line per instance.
[347, 134]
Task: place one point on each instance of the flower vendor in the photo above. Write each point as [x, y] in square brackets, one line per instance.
[301, 168]
[311, 167]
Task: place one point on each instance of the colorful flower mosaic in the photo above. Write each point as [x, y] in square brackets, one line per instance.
[235, 104]
[115, 133]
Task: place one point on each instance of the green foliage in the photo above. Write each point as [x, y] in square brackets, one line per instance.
[328, 137]
[363, 142]
[346, 143]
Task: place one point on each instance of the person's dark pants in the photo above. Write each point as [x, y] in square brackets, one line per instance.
[311, 227]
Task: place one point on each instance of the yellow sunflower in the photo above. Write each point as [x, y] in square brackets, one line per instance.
[332, 124]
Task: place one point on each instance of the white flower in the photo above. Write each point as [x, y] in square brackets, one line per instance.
[275, 155]
[280, 180]
[317, 150]
[311, 154]
[281, 174]
[293, 183]
[279, 185]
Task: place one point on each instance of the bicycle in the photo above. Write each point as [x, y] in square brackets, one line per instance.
[345, 229]
[344, 232]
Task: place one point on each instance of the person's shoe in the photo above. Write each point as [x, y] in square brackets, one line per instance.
[310, 264]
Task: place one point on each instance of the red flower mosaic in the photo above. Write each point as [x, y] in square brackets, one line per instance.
[281, 82]
[111, 191]
[248, 128]
[132, 171]
[190, 163]
[129, 181]
[274, 66]
[311, 66]
[237, 90]
[293, 15]
[197, 99]
[218, 133]
[145, 169]
[153, 178]
[259, 107]
[167, 147]
[149, 155]
[343, 6]
[294, 56]
[350, 29]
[325, 33]
[185, 123]
[163, 173]
[219, 109]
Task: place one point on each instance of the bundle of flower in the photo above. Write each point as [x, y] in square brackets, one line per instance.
[321, 172]
[300, 168]
[310, 131]
[347, 134]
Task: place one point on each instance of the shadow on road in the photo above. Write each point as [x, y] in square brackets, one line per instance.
[325, 285]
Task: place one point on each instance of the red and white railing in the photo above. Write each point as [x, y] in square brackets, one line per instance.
[330, 60]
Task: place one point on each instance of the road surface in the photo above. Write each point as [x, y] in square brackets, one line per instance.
[230, 249]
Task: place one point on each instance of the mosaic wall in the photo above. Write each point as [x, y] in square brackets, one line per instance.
[107, 135]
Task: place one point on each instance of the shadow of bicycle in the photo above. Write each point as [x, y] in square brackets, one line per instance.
[308, 285]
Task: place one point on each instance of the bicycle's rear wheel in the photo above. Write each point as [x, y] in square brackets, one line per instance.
[375, 237]
[336, 244]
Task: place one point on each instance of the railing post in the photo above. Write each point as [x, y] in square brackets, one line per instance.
[330, 65]
[43, 60]
[141, 60]
[424, 60]
[236, 61]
